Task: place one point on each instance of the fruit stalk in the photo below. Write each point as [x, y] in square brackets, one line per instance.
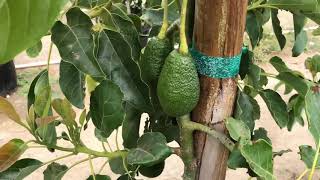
[165, 23]
[183, 38]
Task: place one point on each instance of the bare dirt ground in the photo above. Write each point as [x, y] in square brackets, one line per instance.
[287, 167]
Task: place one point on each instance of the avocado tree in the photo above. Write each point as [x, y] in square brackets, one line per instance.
[183, 62]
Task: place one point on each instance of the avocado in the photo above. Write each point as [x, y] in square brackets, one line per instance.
[178, 86]
[152, 59]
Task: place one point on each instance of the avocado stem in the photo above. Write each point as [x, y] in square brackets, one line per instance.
[165, 23]
[183, 38]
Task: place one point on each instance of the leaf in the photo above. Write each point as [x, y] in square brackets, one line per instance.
[126, 177]
[255, 77]
[91, 3]
[246, 60]
[10, 153]
[64, 109]
[31, 95]
[276, 106]
[45, 120]
[238, 130]
[23, 23]
[247, 110]
[294, 5]
[114, 56]
[119, 165]
[131, 126]
[7, 109]
[313, 64]
[312, 106]
[301, 37]
[21, 169]
[254, 28]
[106, 107]
[35, 50]
[259, 157]
[277, 29]
[152, 171]
[297, 83]
[295, 108]
[307, 154]
[72, 84]
[42, 93]
[279, 65]
[261, 133]
[75, 42]
[99, 177]
[236, 160]
[151, 150]
[55, 171]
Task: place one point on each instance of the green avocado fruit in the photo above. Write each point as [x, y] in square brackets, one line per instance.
[178, 86]
[153, 58]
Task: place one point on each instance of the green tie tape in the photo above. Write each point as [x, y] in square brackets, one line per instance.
[217, 67]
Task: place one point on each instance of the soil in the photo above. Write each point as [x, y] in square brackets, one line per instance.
[287, 167]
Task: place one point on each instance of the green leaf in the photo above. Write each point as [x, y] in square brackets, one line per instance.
[100, 135]
[293, 80]
[276, 106]
[31, 95]
[75, 42]
[277, 28]
[10, 153]
[113, 53]
[126, 177]
[42, 94]
[106, 107]
[254, 28]
[261, 133]
[295, 108]
[91, 3]
[301, 37]
[55, 171]
[119, 165]
[236, 160]
[238, 129]
[246, 60]
[307, 154]
[72, 84]
[131, 126]
[313, 64]
[312, 106]
[279, 65]
[153, 3]
[152, 171]
[259, 157]
[21, 169]
[99, 177]
[48, 134]
[35, 50]
[151, 150]
[7, 109]
[247, 110]
[44, 121]
[294, 5]
[64, 109]
[255, 77]
[23, 23]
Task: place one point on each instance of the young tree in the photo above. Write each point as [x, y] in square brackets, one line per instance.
[101, 50]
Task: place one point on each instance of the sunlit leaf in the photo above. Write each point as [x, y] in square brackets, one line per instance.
[7, 109]
[238, 129]
[10, 153]
[55, 171]
[21, 169]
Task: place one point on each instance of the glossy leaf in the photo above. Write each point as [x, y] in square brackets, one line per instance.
[131, 126]
[301, 37]
[261, 133]
[119, 165]
[10, 153]
[259, 157]
[7, 109]
[106, 107]
[307, 154]
[295, 108]
[21, 169]
[23, 23]
[42, 94]
[54, 171]
[31, 95]
[236, 160]
[72, 84]
[276, 106]
[99, 177]
[293, 80]
[35, 50]
[91, 3]
[254, 28]
[151, 150]
[238, 129]
[75, 42]
[113, 53]
[279, 65]
[312, 106]
[278, 29]
[247, 110]
[64, 109]
[152, 171]
[255, 77]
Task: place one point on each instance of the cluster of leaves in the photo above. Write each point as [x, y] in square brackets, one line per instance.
[100, 45]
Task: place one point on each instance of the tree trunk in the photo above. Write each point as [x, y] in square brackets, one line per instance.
[8, 78]
[218, 31]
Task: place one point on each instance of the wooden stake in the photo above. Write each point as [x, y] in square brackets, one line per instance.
[218, 31]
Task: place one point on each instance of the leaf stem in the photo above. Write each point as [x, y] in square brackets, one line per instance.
[117, 143]
[56, 159]
[303, 174]
[91, 168]
[183, 38]
[49, 55]
[252, 7]
[165, 23]
[315, 162]
[103, 165]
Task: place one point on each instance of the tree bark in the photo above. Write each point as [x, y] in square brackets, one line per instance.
[218, 31]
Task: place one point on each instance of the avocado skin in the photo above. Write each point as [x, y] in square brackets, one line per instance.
[178, 86]
[153, 58]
